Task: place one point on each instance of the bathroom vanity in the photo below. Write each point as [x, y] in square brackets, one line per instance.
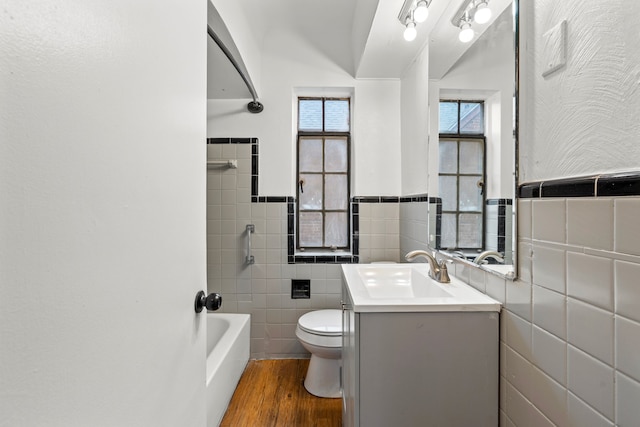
[417, 352]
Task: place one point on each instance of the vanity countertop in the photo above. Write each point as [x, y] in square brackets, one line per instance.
[408, 288]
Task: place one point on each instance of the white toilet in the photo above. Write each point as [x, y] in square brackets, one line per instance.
[320, 332]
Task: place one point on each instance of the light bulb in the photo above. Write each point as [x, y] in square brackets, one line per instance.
[410, 31]
[421, 13]
[482, 14]
[466, 33]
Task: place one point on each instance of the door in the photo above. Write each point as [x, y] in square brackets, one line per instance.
[102, 212]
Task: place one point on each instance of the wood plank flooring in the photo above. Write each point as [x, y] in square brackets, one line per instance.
[271, 394]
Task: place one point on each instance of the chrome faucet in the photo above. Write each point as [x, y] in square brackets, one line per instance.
[437, 270]
[486, 254]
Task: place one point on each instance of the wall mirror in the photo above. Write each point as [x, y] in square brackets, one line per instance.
[473, 136]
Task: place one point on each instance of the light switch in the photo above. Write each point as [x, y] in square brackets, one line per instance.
[554, 53]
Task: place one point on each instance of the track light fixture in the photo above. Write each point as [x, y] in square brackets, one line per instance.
[466, 32]
[413, 12]
[410, 31]
[421, 12]
[482, 14]
[476, 11]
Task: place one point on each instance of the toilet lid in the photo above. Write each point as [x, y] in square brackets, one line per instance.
[322, 322]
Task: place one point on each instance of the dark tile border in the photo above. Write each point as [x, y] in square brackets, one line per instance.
[499, 202]
[606, 185]
[621, 184]
[292, 258]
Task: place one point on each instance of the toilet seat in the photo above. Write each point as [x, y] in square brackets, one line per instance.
[326, 323]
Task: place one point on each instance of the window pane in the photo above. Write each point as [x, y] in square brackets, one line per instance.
[311, 192]
[448, 117]
[449, 192]
[470, 230]
[310, 114]
[310, 155]
[335, 155]
[336, 229]
[335, 192]
[471, 118]
[336, 115]
[310, 229]
[471, 157]
[470, 198]
[448, 239]
[448, 157]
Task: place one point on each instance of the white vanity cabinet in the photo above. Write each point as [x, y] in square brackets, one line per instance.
[419, 368]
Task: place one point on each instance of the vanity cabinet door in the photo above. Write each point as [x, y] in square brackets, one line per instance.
[348, 374]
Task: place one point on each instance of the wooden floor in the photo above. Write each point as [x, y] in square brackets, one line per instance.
[271, 393]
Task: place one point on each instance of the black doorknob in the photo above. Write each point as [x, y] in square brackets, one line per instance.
[211, 302]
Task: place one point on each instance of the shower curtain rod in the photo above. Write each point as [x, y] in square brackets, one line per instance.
[254, 106]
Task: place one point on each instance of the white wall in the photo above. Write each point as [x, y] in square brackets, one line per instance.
[583, 119]
[289, 63]
[102, 220]
[415, 126]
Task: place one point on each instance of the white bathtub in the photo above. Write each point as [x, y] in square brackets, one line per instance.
[228, 338]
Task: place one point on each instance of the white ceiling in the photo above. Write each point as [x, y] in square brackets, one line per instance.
[364, 37]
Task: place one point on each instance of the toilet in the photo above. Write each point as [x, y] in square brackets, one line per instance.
[320, 332]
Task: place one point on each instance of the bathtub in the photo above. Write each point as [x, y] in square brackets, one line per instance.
[227, 355]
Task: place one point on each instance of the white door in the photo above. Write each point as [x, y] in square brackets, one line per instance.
[102, 212]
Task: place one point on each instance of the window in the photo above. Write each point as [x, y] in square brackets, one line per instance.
[323, 174]
[462, 174]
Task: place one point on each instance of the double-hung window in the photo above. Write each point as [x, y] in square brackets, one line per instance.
[323, 174]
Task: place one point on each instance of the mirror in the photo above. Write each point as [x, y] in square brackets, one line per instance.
[473, 139]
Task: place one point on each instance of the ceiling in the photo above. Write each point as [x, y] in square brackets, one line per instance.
[364, 37]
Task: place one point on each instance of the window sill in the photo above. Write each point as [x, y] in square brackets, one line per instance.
[323, 257]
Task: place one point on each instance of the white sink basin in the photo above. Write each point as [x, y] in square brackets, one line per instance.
[408, 288]
[399, 282]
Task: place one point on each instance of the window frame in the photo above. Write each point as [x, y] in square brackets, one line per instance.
[323, 136]
[459, 137]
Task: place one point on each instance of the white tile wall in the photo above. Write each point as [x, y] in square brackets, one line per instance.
[264, 288]
[627, 408]
[570, 329]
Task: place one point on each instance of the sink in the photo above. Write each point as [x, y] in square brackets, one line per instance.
[407, 287]
[399, 282]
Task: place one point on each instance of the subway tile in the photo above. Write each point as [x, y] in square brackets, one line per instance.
[549, 268]
[627, 226]
[549, 396]
[519, 299]
[590, 279]
[549, 311]
[549, 220]
[590, 223]
[525, 262]
[590, 329]
[550, 354]
[524, 219]
[518, 333]
[519, 372]
[583, 415]
[627, 408]
[477, 279]
[496, 288]
[628, 347]
[591, 380]
[627, 289]
[522, 412]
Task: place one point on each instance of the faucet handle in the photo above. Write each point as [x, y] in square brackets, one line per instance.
[444, 272]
